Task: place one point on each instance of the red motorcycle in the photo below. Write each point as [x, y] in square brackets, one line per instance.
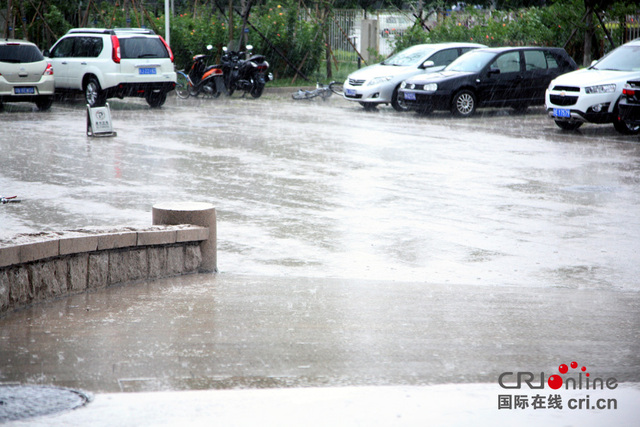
[201, 78]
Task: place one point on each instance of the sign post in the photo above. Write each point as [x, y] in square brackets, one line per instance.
[99, 121]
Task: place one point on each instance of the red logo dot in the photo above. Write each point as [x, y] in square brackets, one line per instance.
[563, 369]
[574, 365]
[555, 381]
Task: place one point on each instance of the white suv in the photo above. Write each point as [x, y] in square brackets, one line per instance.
[592, 94]
[107, 63]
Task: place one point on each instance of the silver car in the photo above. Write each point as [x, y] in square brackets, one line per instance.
[25, 76]
[379, 83]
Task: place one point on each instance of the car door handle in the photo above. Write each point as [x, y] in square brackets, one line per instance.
[83, 63]
[64, 62]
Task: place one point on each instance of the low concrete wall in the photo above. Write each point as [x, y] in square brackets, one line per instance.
[43, 266]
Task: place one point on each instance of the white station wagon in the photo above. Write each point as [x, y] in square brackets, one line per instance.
[25, 76]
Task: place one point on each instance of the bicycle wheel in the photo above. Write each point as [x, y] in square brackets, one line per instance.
[325, 93]
[336, 87]
[182, 86]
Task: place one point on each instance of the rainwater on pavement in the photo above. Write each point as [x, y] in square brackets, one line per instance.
[354, 248]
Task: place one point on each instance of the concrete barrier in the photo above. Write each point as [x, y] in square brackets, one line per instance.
[43, 266]
[202, 214]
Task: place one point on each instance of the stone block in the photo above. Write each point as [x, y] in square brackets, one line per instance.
[192, 234]
[175, 260]
[78, 244]
[98, 270]
[78, 272]
[128, 265]
[5, 289]
[192, 258]
[9, 255]
[117, 240]
[156, 237]
[20, 290]
[39, 250]
[157, 262]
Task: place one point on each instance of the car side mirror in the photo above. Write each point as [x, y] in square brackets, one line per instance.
[593, 62]
[46, 53]
[427, 64]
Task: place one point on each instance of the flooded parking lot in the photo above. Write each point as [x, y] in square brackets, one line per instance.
[325, 189]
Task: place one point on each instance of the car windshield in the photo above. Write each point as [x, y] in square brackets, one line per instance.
[471, 62]
[142, 47]
[625, 58]
[20, 53]
[409, 57]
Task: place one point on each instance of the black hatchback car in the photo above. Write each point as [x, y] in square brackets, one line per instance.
[492, 77]
[629, 106]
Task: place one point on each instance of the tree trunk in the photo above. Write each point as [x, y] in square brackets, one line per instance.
[588, 37]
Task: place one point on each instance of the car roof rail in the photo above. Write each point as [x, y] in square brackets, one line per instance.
[111, 31]
[90, 30]
[135, 30]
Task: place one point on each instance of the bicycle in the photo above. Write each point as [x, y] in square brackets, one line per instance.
[321, 90]
[9, 199]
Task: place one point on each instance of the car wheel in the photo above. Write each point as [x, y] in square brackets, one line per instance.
[564, 125]
[94, 95]
[369, 106]
[44, 102]
[463, 103]
[155, 99]
[396, 102]
[626, 128]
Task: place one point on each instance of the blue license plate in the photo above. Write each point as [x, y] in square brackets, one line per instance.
[350, 92]
[24, 91]
[561, 112]
[410, 96]
[147, 71]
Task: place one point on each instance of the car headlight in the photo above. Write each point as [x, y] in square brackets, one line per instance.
[601, 89]
[431, 87]
[378, 80]
[403, 85]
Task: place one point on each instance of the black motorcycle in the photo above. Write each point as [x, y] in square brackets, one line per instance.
[201, 78]
[247, 75]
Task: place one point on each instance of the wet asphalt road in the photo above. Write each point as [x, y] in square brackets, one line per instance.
[354, 248]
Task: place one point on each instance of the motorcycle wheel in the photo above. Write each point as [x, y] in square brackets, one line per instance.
[256, 90]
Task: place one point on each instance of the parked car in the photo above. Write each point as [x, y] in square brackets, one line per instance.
[629, 106]
[25, 75]
[107, 63]
[379, 83]
[492, 77]
[591, 94]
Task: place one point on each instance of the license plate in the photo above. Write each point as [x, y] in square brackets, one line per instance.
[350, 92]
[410, 96]
[147, 71]
[561, 112]
[24, 90]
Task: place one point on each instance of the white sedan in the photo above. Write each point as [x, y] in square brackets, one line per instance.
[379, 83]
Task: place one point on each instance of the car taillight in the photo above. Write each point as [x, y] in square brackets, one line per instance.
[48, 71]
[628, 91]
[115, 53]
[168, 48]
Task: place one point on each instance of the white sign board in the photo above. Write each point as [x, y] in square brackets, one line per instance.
[99, 121]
